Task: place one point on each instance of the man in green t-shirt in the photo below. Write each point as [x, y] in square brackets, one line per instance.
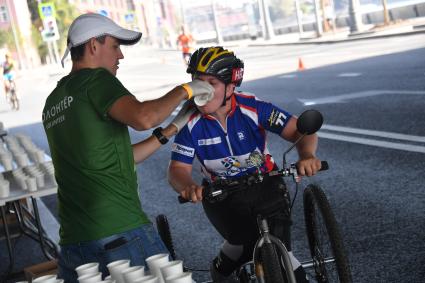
[86, 120]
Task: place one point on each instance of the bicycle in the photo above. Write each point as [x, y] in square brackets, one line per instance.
[11, 95]
[271, 261]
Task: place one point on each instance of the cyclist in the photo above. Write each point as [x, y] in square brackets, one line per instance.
[185, 41]
[227, 136]
[8, 73]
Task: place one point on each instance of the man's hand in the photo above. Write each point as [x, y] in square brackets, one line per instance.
[192, 193]
[198, 87]
[184, 114]
[308, 166]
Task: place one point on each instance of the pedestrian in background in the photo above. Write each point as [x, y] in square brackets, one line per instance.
[185, 42]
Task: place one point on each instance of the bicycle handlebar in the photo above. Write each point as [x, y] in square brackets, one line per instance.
[214, 190]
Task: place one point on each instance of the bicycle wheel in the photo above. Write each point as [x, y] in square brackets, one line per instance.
[165, 234]
[14, 99]
[274, 272]
[326, 246]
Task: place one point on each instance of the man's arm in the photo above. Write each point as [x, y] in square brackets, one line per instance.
[146, 147]
[307, 164]
[180, 178]
[147, 114]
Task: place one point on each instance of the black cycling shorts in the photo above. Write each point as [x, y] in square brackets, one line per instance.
[235, 217]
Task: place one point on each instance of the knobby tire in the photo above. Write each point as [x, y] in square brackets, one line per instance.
[165, 234]
[317, 205]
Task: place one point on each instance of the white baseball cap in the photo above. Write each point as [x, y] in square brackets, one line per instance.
[91, 25]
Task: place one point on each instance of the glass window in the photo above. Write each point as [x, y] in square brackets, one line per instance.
[3, 14]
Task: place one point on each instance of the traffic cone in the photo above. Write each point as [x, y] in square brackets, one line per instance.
[300, 65]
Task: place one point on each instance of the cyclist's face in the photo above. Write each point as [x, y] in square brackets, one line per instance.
[219, 92]
[108, 54]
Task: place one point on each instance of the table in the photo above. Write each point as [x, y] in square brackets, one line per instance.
[29, 224]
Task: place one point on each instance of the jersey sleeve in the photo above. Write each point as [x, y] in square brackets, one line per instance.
[182, 149]
[271, 117]
[104, 90]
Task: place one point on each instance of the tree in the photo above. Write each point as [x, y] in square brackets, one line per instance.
[6, 38]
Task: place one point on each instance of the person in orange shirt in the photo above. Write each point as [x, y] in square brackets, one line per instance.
[185, 41]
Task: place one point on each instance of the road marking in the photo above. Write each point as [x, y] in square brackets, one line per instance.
[354, 95]
[350, 75]
[382, 134]
[385, 144]
[289, 76]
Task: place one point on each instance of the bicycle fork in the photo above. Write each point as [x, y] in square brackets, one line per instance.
[268, 240]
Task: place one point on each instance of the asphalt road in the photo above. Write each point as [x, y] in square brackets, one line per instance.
[371, 94]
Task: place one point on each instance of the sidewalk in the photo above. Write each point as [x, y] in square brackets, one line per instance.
[400, 28]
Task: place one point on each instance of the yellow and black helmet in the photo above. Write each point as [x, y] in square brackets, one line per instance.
[217, 62]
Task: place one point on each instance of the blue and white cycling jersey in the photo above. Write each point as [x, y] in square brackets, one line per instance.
[240, 150]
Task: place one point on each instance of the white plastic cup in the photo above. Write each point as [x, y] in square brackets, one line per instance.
[20, 180]
[90, 278]
[132, 273]
[39, 179]
[155, 262]
[148, 279]
[174, 267]
[185, 277]
[45, 279]
[31, 184]
[88, 268]
[203, 99]
[116, 268]
[4, 189]
[7, 162]
[21, 159]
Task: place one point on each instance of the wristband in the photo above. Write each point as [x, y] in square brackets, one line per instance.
[158, 134]
[189, 90]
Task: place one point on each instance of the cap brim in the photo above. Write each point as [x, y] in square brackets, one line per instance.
[127, 37]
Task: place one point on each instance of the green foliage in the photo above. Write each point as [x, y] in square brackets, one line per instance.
[6, 39]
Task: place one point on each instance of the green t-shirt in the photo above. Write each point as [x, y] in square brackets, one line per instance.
[93, 158]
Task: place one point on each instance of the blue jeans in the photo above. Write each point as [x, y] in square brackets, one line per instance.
[138, 244]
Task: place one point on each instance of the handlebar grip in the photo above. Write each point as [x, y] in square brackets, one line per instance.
[182, 199]
[325, 166]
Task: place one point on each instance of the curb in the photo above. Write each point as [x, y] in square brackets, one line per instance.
[354, 37]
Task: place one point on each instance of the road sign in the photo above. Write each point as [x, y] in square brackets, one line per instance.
[50, 31]
[129, 18]
[46, 9]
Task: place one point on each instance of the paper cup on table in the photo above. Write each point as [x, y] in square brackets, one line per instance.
[45, 279]
[148, 279]
[185, 277]
[39, 179]
[20, 181]
[21, 159]
[90, 278]
[155, 262]
[116, 268]
[7, 162]
[174, 267]
[88, 268]
[132, 273]
[31, 184]
[4, 188]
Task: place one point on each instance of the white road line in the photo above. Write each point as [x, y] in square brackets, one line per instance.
[385, 144]
[382, 134]
[354, 95]
[289, 76]
[349, 74]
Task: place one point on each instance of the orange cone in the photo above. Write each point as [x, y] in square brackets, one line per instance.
[300, 65]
